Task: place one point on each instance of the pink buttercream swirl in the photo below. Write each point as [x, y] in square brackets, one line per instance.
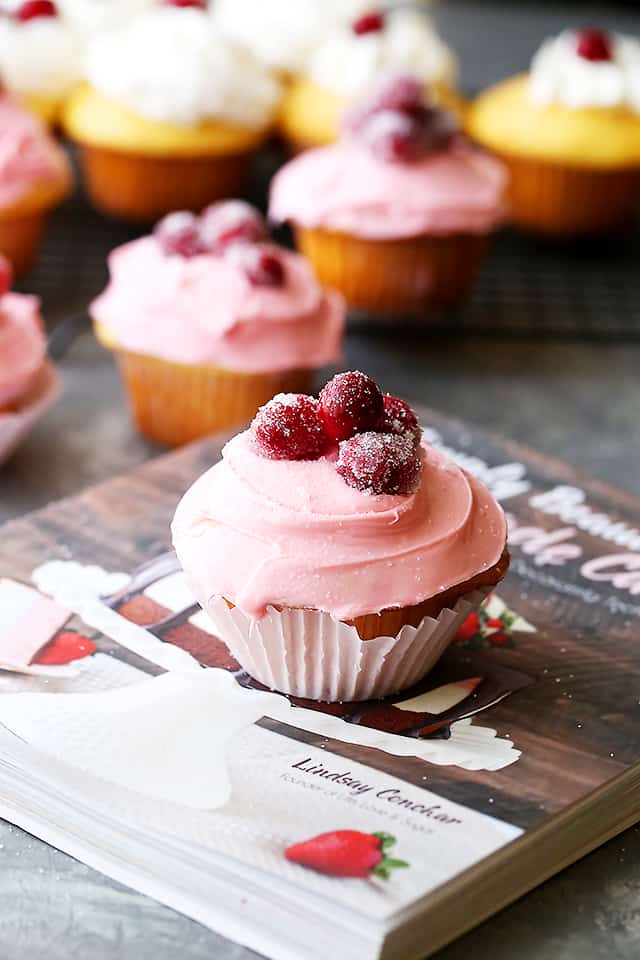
[205, 310]
[346, 188]
[29, 156]
[22, 346]
[280, 532]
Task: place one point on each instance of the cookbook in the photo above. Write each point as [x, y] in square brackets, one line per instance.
[131, 739]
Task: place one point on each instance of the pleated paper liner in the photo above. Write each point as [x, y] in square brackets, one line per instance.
[173, 403]
[396, 277]
[306, 653]
[17, 421]
[137, 186]
[564, 201]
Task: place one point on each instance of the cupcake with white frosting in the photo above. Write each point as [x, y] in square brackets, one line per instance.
[352, 58]
[40, 55]
[569, 132]
[171, 114]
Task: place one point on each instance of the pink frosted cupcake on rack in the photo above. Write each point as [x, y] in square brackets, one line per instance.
[28, 381]
[35, 175]
[336, 552]
[209, 319]
[397, 213]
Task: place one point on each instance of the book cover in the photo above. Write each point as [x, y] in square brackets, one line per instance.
[131, 738]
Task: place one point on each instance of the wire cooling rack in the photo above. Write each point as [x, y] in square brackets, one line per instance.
[526, 288]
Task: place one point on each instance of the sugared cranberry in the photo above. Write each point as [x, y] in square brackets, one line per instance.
[231, 221]
[198, 4]
[179, 233]
[593, 45]
[262, 265]
[399, 418]
[34, 9]
[392, 136]
[288, 428]
[370, 22]
[6, 275]
[350, 403]
[397, 92]
[379, 463]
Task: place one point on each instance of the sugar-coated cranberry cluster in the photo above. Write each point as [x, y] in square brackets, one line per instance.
[229, 228]
[398, 124]
[378, 435]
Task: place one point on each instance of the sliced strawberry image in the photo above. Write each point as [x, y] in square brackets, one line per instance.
[65, 648]
[469, 628]
[347, 853]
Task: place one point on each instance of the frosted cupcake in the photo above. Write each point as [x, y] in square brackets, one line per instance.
[209, 319]
[396, 214]
[350, 61]
[40, 55]
[171, 114]
[28, 382]
[569, 133]
[35, 175]
[335, 552]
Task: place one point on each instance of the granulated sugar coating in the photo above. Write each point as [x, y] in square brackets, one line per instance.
[400, 418]
[288, 428]
[350, 403]
[380, 463]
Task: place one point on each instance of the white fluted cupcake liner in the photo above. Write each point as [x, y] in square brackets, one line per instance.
[308, 654]
[16, 424]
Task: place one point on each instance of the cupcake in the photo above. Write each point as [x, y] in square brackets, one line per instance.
[28, 382]
[283, 33]
[40, 55]
[35, 175]
[335, 552]
[171, 114]
[396, 214]
[348, 63]
[569, 133]
[209, 319]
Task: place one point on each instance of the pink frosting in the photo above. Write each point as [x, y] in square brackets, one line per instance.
[22, 345]
[260, 532]
[344, 187]
[203, 309]
[29, 156]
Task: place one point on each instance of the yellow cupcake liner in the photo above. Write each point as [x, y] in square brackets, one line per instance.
[559, 199]
[136, 186]
[173, 404]
[407, 276]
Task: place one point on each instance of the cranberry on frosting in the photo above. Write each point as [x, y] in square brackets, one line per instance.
[372, 21]
[35, 9]
[594, 45]
[378, 436]
[398, 124]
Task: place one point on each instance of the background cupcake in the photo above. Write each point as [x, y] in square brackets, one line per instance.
[396, 214]
[40, 55]
[35, 174]
[28, 382]
[335, 553]
[569, 133]
[171, 114]
[351, 59]
[209, 320]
